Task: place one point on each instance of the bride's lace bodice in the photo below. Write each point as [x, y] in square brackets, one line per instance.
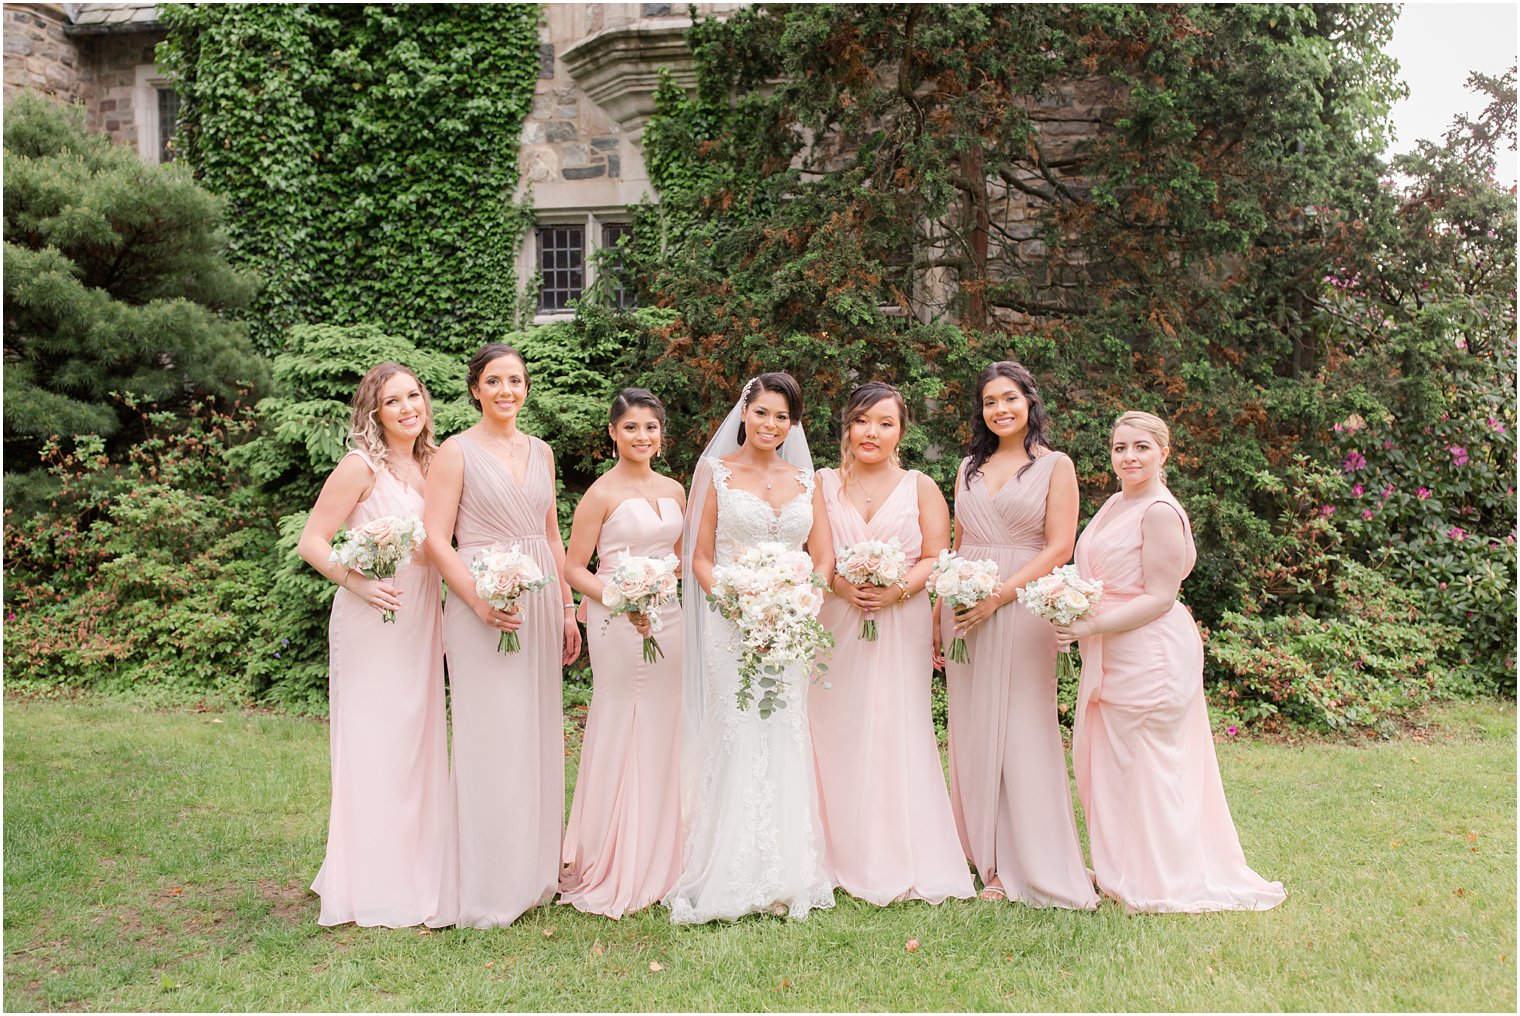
[745, 519]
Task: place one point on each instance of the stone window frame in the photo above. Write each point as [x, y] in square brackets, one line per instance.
[149, 79]
[592, 220]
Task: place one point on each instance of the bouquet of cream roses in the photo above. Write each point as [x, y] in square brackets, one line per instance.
[379, 548]
[1062, 597]
[876, 563]
[961, 582]
[642, 585]
[773, 598]
[502, 577]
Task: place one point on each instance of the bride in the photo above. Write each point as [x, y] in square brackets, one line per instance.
[753, 842]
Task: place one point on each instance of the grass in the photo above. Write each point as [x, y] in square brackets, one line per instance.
[159, 860]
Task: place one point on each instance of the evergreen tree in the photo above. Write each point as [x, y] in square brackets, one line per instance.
[116, 287]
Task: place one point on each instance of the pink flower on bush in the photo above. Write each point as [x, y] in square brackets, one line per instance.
[1458, 455]
[1357, 490]
[1423, 493]
[1326, 510]
[1495, 425]
[1367, 514]
[1231, 730]
[1456, 533]
[1354, 460]
[1388, 491]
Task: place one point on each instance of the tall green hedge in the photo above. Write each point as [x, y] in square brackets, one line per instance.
[369, 157]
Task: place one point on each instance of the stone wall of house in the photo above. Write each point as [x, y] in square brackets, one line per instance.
[39, 56]
[114, 94]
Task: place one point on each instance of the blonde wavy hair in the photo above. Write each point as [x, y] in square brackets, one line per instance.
[365, 433]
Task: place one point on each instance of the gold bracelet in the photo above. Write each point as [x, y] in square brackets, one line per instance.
[346, 576]
[904, 597]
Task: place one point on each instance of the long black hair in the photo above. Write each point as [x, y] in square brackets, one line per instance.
[784, 385]
[983, 441]
[631, 397]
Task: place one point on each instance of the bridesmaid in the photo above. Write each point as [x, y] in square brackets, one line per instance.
[887, 824]
[389, 833]
[1160, 831]
[623, 844]
[495, 484]
[1016, 504]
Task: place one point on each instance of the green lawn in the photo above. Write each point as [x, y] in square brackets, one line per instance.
[159, 860]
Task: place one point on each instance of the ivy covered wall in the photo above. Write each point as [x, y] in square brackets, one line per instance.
[368, 154]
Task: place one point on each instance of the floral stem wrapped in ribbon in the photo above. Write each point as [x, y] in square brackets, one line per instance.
[773, 598]
[1062, 597]
[961, 582]
[642, 585]
[379, 548]
[873, 563]
[502, 577]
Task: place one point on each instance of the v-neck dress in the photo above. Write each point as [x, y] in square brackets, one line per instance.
[1008, 779]
[1158, 823]
[623, 843]
[390, 848]
[887, 824]
[509, 735]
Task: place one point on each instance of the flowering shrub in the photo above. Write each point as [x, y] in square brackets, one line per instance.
[1433, 508]
[1376, 656]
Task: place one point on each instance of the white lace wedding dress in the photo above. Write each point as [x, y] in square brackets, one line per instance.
[753, 842]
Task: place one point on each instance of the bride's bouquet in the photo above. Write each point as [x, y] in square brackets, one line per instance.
[379, 548]
[874, 563]
[961, 582]
[642, 585]
[1062, 597]
[772, 596]
[502, 577]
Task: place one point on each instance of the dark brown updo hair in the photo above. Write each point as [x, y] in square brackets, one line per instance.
[983, 441]
[484, 355]
[861, 399]
[780, 382]
[628, 398]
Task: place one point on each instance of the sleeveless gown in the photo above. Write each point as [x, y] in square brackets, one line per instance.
[752, 838]
[623, 843]
[1008, 781]
[390, 829]
[887, 823]
[509, 735]
[1158, 824]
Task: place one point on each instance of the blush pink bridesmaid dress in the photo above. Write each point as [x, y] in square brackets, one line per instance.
[390, 845]
[888, 829]
[623, 843]
[509, 735]
[1157, 822]
[1008, 781]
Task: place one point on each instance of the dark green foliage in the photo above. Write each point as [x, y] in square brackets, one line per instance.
[369, 153]
[1376, 656]
[148, 574]
[115, 282]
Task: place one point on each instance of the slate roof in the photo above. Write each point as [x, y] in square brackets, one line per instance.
[100, 19]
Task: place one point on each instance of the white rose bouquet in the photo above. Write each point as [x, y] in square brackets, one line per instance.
[1062, 597]
[874, 563]
[502, 577]
[773, 598]
[961, 582]
[379, 548]
[642, 585]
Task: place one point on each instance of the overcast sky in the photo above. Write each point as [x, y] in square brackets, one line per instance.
[1437, 45]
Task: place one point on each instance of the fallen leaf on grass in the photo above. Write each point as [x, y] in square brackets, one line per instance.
[165, 984]
[1472, 837]
[654, 968]
[176, 891]
[1461, 891]
[424, 931]
[490, 966]
[1209, 970]
[911, 945]
[1394, 845]
[786, 982]
[597, 948]
[548, 933]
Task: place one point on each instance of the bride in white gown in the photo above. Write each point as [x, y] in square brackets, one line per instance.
[752, 838]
